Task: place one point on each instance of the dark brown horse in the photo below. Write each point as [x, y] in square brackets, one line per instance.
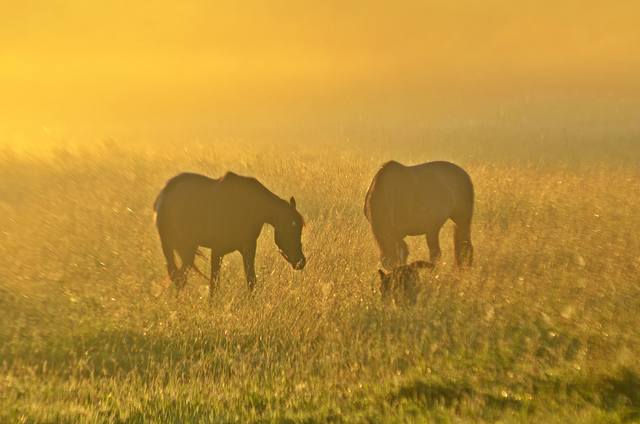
[413, 200]
[225, 215]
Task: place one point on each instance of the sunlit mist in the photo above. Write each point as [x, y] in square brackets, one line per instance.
[227, 65]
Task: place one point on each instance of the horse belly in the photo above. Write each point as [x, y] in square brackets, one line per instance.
[218, 247]
[219, 239]
[228, 238]
[414, 231]
[422, 220]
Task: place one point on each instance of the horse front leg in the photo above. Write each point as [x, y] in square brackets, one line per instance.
[393, 252]
[249, 258]
[463, 246]
[403, 251]
[433, 242]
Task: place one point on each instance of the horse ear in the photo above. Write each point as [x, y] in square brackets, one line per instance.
[292, 202]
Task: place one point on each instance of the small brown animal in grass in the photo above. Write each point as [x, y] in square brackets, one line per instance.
[401, 284]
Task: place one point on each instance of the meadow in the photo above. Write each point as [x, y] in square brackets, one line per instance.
[544, 327]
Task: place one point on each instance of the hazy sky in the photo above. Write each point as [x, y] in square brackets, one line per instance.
[63, 61]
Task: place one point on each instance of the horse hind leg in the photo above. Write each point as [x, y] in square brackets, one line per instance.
[462, 243]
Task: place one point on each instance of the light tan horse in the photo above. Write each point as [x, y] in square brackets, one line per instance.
[413, 200]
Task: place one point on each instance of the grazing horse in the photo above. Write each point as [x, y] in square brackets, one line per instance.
[401, 283]
[413, 200]
[225, 215]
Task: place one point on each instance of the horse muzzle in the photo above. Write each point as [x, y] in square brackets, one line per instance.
[300, 264]
[297, 265]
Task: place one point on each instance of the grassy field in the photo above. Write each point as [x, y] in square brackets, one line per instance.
[544, 328]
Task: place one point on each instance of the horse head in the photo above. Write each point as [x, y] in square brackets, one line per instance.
[288, 235]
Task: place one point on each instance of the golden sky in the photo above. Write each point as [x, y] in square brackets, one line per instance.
[59, 59]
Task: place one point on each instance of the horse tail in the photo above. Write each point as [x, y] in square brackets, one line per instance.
[462, 218]
[380, 209]
[156, 203]
[156, 207]
[367, 202]
[169, 255]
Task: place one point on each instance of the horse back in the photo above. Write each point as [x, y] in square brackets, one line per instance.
[409, 195]
[196, 209]
[453, 177]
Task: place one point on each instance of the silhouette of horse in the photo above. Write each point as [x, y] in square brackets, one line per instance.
[400, 284]
[413, 200]
[225, 215]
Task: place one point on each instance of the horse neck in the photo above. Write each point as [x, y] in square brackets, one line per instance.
[273, 208]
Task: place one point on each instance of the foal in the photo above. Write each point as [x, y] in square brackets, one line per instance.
[400, 284]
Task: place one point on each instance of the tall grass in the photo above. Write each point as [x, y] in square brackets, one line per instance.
[544, 327]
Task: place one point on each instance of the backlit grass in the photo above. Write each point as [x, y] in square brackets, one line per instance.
[544, 327]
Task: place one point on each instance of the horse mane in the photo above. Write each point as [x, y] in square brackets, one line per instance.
[231, 176]
[260, 188]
